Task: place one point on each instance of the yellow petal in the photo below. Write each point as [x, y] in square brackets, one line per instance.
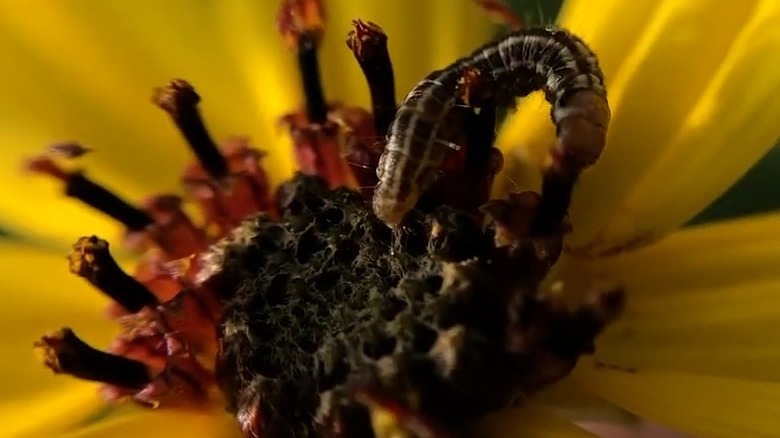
[704, 300]
[706, 407]
[728, 129]
[528, 422]
[266, 70]
[40, 295]
[719, 254]
[572, 403]
[84, 71]
[49, 413]
[37, 111]
[162, 424]
[665, 73]
[93, 91]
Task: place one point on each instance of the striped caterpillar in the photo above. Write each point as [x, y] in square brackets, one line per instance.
[423, 132]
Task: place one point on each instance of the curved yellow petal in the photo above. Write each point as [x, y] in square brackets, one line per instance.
[40, 295]
[528, 422]
[679, 96]
[161, 424]
[732, 124]
[51, 412]
[705, 300]
[664, 75]
[706, 407]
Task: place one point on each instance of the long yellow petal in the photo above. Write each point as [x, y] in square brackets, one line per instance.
[528, 422]
[705, 300]
[719, 254]
[40, 295]
[572, 403]
[50, 412]
[706, 407]
[678, 98]
[162, 424]
[733, 123]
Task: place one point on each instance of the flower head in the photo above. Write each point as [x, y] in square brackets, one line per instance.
[692, 297]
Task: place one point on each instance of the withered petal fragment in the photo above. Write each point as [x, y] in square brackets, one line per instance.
[244, 192]
[472, 87]
[68, 149]
[180, 100]
[175, 233]
[65, 353]
[573, 335]
[91, 260]
[511, 218]
[455, 237]
[78, 186]
[501, 13]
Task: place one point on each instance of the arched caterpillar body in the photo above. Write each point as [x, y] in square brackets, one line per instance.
[548, 59]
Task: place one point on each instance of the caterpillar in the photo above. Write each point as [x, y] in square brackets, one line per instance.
[423, 131]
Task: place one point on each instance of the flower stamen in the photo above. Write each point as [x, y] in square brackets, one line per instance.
[298, 17]
[316, 105]
[65, 353]
[91, 260]
[245, 191]
[228, 182]
[301, 24]
[368, 43]
[78, 186]
[328, 138]
[174, 232]
[469, 170]
[179, 99]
